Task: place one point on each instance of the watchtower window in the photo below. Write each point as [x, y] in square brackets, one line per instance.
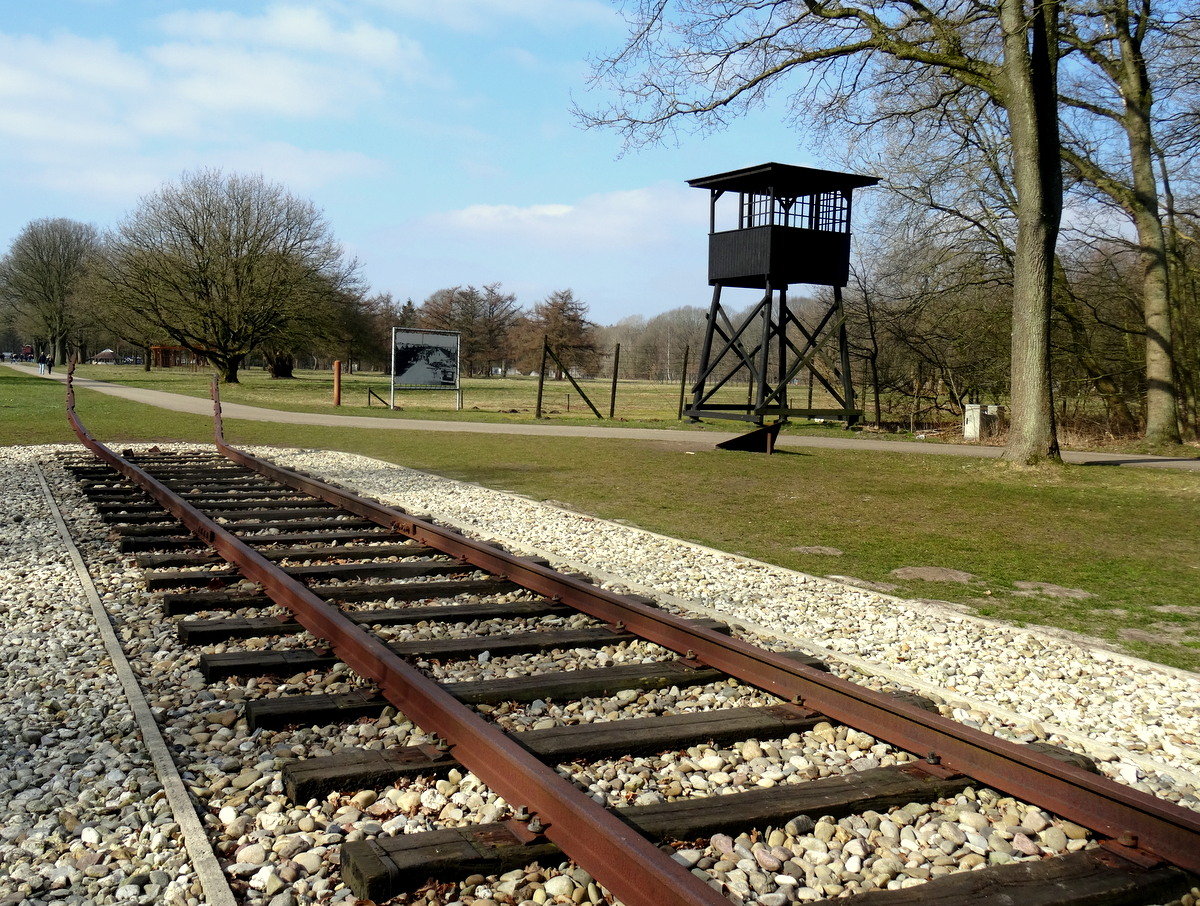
[828, 211]
[757, 210]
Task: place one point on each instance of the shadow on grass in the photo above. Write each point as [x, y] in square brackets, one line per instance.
[1139, 461]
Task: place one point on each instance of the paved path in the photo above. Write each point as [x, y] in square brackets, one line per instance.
[692, 439]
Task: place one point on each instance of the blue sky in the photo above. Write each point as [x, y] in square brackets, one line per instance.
[436, 135]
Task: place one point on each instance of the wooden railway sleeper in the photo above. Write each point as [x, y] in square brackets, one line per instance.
[1106, 807]
[630, 866]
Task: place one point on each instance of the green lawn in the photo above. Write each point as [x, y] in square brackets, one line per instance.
[1127, 536]
[638, 404]
[484, 399]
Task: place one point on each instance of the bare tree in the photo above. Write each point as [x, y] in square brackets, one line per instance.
[1184, 247]
[43, 275]
[365, 336]
[703, 62]
[562, 320]
[223, 265]
[498, 317]
[124, 323]
[930, 311]
[1125, 68]
[338, 324]
[484, 319]
[1099, 304]
[956, 163]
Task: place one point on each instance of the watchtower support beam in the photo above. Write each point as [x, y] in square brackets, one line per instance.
[791, 225]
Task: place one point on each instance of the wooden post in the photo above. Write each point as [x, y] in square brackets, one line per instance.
[683, 382]
[781, 375]
[542, 377]
[337, 383]
[847, 377]
[612, 402]
[566, 372]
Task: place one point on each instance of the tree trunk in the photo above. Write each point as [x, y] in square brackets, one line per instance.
[1162, 416]
[228, 369]
[1184, 305]
[1031, 101]
[873, 359]
[1140, 199]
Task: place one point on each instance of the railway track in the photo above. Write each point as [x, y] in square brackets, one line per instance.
[278, 574]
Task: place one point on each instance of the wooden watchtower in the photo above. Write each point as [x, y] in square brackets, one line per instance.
[791, 225]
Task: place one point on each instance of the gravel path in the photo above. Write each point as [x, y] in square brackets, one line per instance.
[85, 818]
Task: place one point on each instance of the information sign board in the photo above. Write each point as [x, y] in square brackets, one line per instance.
[424, 360]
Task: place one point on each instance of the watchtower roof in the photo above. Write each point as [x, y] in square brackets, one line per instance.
[786, 180]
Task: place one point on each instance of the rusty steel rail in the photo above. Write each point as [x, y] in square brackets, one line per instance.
[616, 855]
[1138, 824]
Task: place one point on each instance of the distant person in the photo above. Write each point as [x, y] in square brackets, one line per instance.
[49, 364]
[41, 363]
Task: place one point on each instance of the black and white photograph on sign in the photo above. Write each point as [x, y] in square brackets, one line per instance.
[425, 359]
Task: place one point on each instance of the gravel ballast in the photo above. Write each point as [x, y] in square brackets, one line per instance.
[1142, 720]
[84, 817]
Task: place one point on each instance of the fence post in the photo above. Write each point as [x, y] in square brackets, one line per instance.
[683, 381]
[542, 377]
[337, 383]
[612, 403]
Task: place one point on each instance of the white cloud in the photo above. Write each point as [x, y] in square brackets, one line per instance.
[220, 79]
[291, 62]
[488, 217]
[64, 93]
[612, 220]
[484, 15]
[297, 28]
[54, 68]
[88, 113]
[98, 178]
[623, 252]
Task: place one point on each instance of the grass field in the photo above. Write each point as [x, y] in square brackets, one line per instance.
[484, 399]
[1127, 537]
[648, 404]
